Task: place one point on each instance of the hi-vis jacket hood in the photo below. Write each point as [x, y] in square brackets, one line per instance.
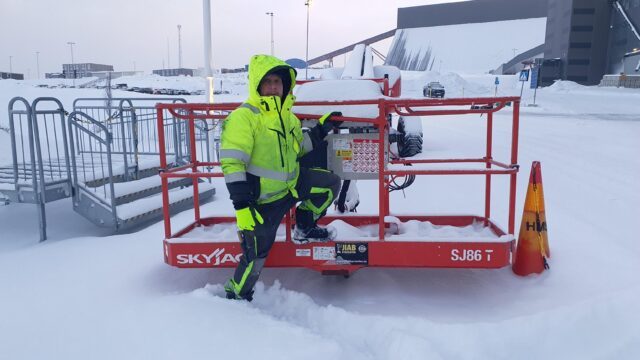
[263, 139]
[259, 67]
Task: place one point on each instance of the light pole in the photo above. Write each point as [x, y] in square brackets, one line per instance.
[271, 14]
[179, 47]
[38, 63]
[71, 68]
[10, 67]
[168, 54]
[208, 67]
[306, 70]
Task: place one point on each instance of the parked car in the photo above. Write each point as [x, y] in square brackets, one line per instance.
[433, 89]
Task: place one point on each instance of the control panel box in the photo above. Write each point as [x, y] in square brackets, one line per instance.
[355, 156]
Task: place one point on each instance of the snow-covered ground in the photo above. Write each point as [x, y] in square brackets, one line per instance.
[88, 294]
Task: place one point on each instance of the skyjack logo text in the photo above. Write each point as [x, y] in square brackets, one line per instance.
[217, 257]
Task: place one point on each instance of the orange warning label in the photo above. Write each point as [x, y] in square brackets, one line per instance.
[344, 153]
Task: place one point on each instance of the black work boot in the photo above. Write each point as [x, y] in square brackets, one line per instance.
[231, 294]
[313, 234]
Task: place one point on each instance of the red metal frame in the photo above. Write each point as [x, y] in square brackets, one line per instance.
[381, 253]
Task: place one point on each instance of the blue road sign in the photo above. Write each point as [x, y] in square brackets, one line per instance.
[524, 75]
[497, 82]
[535, 73]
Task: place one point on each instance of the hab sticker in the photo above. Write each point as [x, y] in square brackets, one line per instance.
[324, 253]
[352, 253]
[303, 252]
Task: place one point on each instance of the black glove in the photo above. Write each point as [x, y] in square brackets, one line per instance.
[327, 124]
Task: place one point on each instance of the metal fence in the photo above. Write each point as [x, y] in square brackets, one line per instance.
[19, 174]
[100, 145]
[52, 153]
[40, 169]
[133, 128]
[114, 143]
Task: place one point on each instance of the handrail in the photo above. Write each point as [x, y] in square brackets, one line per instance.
[151, 98]
[385, 106]
[76, 118]
[121, 110]
[36, 128]
[14, 153]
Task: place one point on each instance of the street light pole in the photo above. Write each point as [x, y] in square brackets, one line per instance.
[179, 47]
[38, 63]
[306, 70]
[208, 68]
[271, 14]
[10, 67]
[71, 43]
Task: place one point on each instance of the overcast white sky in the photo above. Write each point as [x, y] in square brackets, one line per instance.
[121, 32]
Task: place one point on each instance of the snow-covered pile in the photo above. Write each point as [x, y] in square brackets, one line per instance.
[188, 83]
[338, 90]
[566, 86]
[412, 230]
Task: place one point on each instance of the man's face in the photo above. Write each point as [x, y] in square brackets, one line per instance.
[271, 85]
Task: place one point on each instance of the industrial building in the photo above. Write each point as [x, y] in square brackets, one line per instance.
[577, 40]
[174, 72]
[9, 75]
[74, 71]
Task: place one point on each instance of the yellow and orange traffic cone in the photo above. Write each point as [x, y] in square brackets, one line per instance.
[533, 245]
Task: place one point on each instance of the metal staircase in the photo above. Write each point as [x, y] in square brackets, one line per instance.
[104, 155]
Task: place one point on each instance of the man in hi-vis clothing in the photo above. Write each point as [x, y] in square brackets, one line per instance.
[262, 141]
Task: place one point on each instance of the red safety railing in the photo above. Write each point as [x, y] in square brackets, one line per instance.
[385, 106]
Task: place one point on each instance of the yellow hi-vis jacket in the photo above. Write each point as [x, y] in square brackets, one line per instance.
[262, 137]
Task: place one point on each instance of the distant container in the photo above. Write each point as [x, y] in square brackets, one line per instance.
[174, 72]
[14, 76]
[232, 71]
[74, 71]
[54, 75]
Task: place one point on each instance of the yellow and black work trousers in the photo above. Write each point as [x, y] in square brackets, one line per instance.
[317, 188]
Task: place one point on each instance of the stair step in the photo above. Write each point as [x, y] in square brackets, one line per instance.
[150, 206]
[121, 178]
[133, 190]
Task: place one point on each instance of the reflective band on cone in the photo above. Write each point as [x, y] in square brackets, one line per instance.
[533, 246]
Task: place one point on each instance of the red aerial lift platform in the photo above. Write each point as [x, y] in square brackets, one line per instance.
[345, 255]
